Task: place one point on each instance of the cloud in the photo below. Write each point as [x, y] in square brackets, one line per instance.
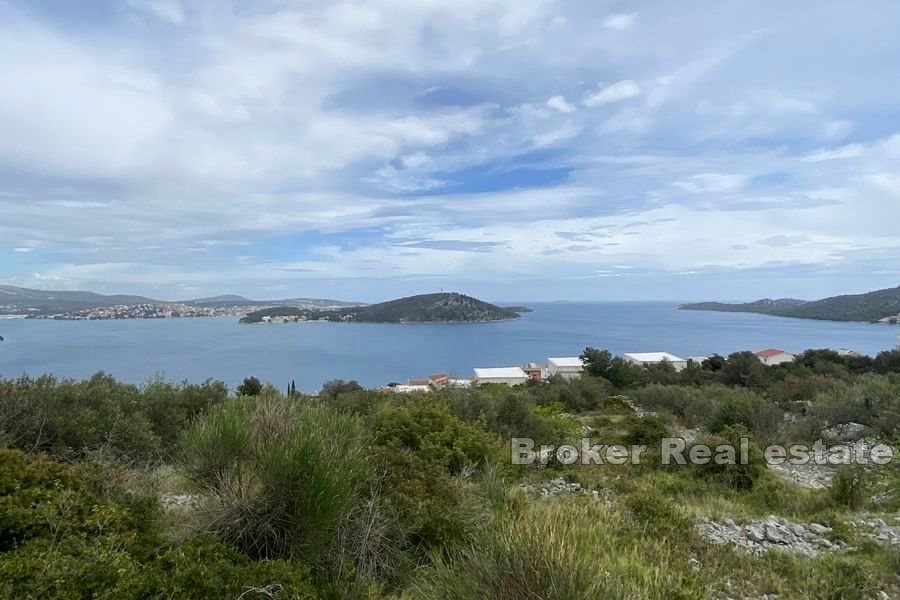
[167, 10]
[620, 22]
[289, 146]
[616, 92]
[848, 151]
[559, 103]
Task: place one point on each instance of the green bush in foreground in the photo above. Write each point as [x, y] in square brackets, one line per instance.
[72, 532]
[283, 476]
[565, 551]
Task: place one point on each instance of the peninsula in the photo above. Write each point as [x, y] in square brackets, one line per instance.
[70, 305]
[441, 307]
[882, 306]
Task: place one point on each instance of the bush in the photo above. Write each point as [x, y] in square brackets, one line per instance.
[43, 499]
[741, 408]
[100, 417]
[427, 456]
[648, 431]
[850, 485]
[873, 400]
[283, 476]
[733, 475]
[654, 512]
[689, 404]
[565, 551]
[73, 531]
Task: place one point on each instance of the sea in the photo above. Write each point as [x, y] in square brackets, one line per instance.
[310, 354]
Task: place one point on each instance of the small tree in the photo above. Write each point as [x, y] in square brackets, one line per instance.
[251, 386]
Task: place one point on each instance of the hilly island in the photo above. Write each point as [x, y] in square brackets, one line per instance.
[882, 306]
[444, 307]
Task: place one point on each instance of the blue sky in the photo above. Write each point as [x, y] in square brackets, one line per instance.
[510, 149]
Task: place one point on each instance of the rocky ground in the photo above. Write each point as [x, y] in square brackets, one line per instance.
[877, 529]
[558, 487]
[817, 476]
[177, 501]
[757, 537]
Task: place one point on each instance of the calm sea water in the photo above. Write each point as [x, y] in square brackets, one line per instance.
[312, 353]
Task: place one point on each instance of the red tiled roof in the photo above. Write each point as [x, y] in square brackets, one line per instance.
[418, 382]
[770, 352]
[439, 377]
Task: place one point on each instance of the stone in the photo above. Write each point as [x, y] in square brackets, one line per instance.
[818, 529]
[756, 534]
[777, 534]
[695, 565]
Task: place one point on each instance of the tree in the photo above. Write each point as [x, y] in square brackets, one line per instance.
[714, 363]
[743, 369]
[596, 362]
[888, 362]
[250, 387]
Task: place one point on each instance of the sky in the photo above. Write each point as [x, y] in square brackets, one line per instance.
[508, 149]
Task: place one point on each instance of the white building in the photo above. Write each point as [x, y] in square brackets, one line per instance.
[405, 388]
[774, 356]
[646, 359]
[569, 367]
[504, 375]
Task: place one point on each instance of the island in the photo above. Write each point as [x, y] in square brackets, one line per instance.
[881, 306]
[444, 307]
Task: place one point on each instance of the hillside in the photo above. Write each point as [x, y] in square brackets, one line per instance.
[870, 307]
[424, 308]
[29, 301]
[18, 300]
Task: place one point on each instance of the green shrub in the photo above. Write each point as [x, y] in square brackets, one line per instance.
[648, 431]
[850, 486]
[656, 513]
[99, 417]
[734, 475]
[563, 550]
[873, 400]
[689, 404]
[741, 408]
[42, 499]
[283, 476]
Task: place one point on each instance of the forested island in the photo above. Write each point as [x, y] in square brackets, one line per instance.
[873, 307]
[443, 307]
[182, 490]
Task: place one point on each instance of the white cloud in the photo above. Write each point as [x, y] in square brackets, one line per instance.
[848, 151]
[167, 10]
[560, 104]
[347, 127]
[620, 22]
[616, 92]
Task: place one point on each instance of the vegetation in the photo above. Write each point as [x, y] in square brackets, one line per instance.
[188, 491]
[870, 307]
[424, 308]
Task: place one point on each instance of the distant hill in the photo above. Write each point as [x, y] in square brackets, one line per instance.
[18, 300]
[424, 308]
[29, 301]
[224, 299]
[870, 307]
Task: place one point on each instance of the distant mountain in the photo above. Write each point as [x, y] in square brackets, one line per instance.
[18, 300]
[424, 308]
[226, 298]
[869, 307]
[15, 300]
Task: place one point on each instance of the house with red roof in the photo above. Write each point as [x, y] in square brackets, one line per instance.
[774, 356]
